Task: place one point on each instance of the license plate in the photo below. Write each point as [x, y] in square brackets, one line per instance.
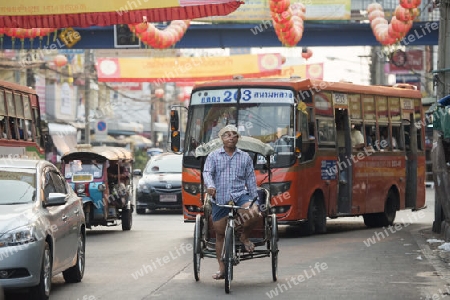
[168, 198]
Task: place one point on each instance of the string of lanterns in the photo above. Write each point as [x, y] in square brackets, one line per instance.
[22, 34]
[288, 21]
[402, 21]
[160, 39]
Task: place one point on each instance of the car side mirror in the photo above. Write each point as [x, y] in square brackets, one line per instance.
[137, 172]
[55, 199]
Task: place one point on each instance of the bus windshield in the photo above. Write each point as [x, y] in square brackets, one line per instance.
[271, 122]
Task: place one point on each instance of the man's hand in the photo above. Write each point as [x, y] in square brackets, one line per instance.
[211, 191]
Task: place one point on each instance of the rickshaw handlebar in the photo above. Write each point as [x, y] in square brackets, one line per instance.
[232, 206]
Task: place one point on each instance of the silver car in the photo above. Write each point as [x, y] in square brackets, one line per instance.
[42, 227]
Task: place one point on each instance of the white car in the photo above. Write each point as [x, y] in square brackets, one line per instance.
[42, 227]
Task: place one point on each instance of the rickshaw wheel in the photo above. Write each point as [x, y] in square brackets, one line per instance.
[274, 246]
[127, 219]
[197, 246]
[229, 238]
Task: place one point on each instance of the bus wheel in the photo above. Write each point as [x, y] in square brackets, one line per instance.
[371, 220]
[317, 218]
[385, 218]
[390, 210]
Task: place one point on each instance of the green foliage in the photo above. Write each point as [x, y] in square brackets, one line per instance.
[140, 158]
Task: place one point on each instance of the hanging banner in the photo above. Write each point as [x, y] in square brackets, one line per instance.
[256, 11]
[176, 69]
[84, 13]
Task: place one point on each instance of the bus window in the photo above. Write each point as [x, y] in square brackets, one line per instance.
[368, 107]
[308, 140]
[19, 105]
[2, 104]
[394, 109]
[384, 137]
[382, 108]
[326, 132]
[28, 130]
[2, 115]
[370, 135]
[20, 128]
[355, 106]
[397, 137]
[2, 128]
[37, 127]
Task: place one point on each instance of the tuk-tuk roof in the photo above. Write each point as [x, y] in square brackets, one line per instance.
[109, 153]
[245, 143]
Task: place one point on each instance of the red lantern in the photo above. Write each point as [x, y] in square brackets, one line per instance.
[60, 60]
[374, 6]
[404, 14]
[159, 93]
[140, 28]
[306, 53]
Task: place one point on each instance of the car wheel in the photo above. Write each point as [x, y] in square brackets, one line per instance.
[140, 211]
[127, 219]
[42, 290]
[75, 273]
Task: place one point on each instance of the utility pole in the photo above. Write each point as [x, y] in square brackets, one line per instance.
[377, 75]
[87, 90]
[442, 82]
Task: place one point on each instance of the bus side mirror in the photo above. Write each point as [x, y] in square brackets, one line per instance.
[175, 141]
[298, 145]
[174, 120]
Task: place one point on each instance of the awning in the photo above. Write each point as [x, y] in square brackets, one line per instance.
[85, 13]
[64, 136]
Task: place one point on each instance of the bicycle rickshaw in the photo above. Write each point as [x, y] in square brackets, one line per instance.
[102, 177]
[264, 235]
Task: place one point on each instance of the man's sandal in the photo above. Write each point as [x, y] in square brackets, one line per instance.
[218, 275]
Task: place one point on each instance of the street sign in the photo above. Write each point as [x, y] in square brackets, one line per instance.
[413, 79]
[101, 131]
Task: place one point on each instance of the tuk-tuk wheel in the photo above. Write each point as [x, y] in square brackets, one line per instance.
[127, 218]
[87, 215]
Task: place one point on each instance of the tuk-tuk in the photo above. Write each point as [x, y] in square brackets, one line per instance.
[102, 177]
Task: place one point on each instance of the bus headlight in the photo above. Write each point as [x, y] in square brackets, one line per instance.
[277, 188]
[191, 188]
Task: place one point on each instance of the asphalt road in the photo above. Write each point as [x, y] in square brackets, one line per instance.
[154, 260]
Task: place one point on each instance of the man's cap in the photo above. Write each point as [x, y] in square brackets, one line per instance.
[228, 128]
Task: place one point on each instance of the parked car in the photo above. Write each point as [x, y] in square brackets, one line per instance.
[42, 227]
[160, 185]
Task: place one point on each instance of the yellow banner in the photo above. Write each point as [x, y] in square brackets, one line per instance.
[258, 10]
[45, 7]
[173, 69]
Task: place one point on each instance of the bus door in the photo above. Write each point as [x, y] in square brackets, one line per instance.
[410, 132]
[344, 201]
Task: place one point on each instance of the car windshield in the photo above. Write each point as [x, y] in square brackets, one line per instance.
[21, 187]
[79, 167]
[166, 164]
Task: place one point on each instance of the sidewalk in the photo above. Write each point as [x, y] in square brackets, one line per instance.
[429, 242]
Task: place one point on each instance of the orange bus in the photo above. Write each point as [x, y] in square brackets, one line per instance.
[341, 149]
[21, 128]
